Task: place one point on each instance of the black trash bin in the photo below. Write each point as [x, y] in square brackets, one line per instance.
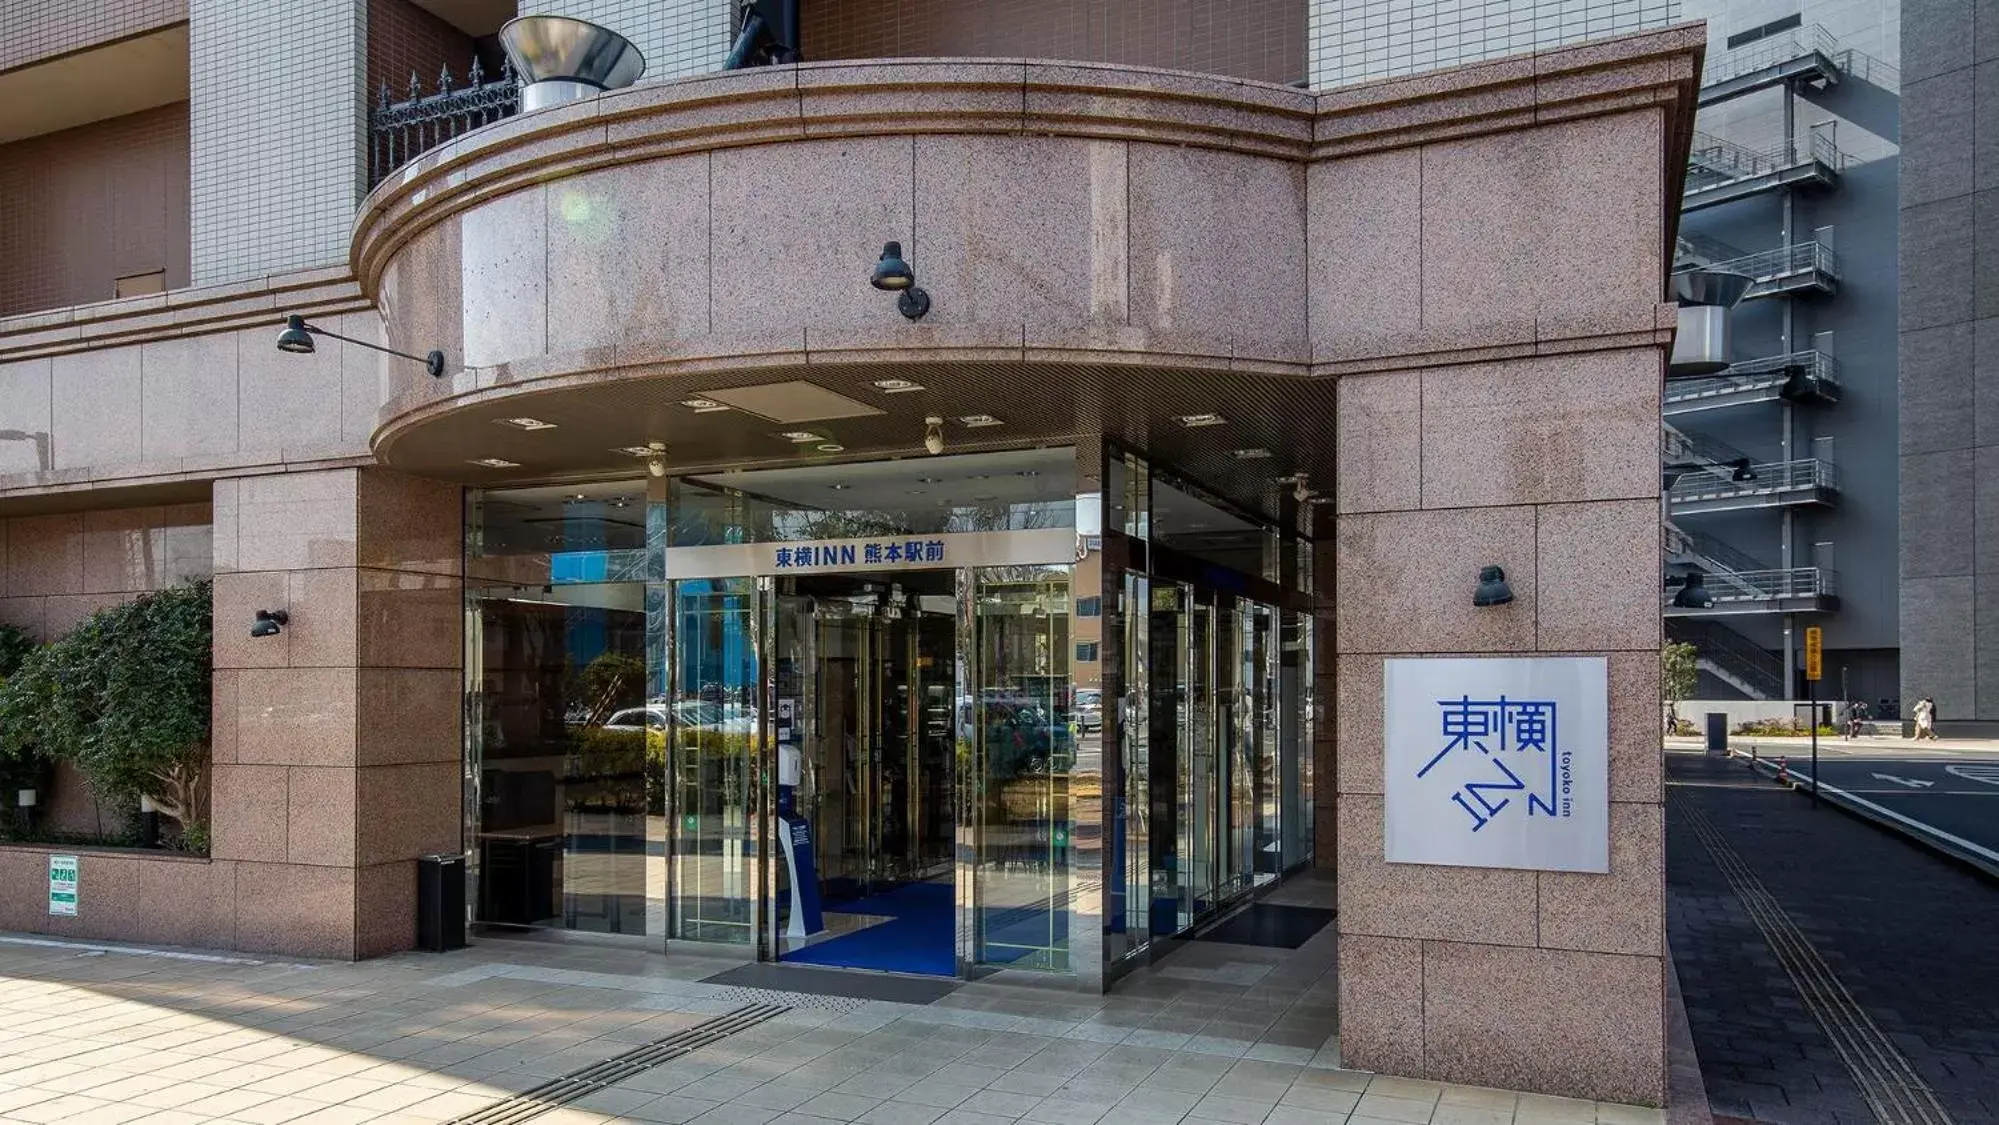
[1717, 732]
[440, 903]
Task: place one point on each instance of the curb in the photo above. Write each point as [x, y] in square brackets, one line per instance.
[1983, 860]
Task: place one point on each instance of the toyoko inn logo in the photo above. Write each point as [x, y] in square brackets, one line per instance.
[1498, 763]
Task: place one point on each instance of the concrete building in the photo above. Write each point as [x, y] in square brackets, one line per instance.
[690, 536]
[1793, 183]
[1949, 297]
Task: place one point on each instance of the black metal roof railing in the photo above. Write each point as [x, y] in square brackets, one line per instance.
[399, 132]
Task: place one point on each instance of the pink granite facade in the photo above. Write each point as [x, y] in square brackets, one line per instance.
[337, 750]
[1442, 298]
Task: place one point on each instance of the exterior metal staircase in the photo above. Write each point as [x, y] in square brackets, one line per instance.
[1732, 658]
[1804, 377]
[1805, 56]
[1720, 171]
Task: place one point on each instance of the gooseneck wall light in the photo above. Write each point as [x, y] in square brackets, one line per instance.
[1492, 588]
[297, 339]
[894, 275]
[1694, 593]
[269, 623]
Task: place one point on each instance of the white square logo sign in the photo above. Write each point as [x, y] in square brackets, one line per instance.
[1498, 763]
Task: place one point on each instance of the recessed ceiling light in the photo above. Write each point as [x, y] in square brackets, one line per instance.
[930, 480]
[1196, 421]
[525, 423]
[896, 386]
[916, 492]
[831, 447]
[1256, 454]
[634, 450]
[494, 463]
[578, 497]
[978, 421]
[801, 437]
[1287, 478]
[839, 486]
[703, 405]
[1028, 473]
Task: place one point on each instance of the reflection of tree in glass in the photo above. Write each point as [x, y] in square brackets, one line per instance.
[613, 680]
[708, 515]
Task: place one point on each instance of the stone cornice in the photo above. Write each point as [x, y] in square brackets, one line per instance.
[873, 98]
[182, 312]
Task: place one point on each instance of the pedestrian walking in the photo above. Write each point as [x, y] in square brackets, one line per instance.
[1926, 719]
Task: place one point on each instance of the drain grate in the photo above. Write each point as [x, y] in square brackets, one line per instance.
[579, 1084]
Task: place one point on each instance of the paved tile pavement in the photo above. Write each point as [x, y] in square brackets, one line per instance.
[1912, 938]
[1214, 1033]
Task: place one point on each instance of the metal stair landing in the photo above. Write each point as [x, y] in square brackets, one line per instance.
[1806, 377]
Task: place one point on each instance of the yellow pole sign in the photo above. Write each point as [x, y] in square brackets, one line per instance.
[1814, 652]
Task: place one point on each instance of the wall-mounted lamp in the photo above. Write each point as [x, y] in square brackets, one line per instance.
[893, 274]
[1694, 593]
[297, 339]
[1492, 588]
[656, 458]
[269, 623]
[933, 434]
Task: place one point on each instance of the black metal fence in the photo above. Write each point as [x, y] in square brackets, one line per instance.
[399, 132]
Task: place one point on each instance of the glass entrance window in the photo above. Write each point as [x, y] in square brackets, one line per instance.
[1025, 749]
[565, 736]
[865, 683]
[717, 744]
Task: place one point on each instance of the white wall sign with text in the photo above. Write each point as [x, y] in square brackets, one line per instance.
[62, 884]
[1498, 762]
[1038, 547]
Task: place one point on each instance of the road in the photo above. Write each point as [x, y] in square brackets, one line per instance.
[1952, 788]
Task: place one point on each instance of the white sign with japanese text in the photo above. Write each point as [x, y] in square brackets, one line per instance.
[1498, 762]
[62, 885]
[1040, 546]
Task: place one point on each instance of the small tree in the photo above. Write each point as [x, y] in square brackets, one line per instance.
[125, 697]
[1678, 677]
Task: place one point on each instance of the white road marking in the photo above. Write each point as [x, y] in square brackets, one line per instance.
[1987, 774]
[1907, 782]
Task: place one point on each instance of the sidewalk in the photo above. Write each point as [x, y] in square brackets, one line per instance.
[1833, 974]
[1215, 1033]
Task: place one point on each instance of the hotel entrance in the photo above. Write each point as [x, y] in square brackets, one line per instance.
[940, 716]
[865, 727]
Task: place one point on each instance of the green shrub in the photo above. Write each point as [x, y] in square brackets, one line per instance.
[124, 698]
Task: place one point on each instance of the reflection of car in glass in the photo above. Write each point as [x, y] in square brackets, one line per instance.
[1023, 737]
[1089, 709]
[689, 714]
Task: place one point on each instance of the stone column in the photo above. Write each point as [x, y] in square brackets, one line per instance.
[1502, 409]
[337, 742]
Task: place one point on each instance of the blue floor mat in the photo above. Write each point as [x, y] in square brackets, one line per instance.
[918, 938]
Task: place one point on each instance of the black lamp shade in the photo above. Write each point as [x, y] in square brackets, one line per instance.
[1492, 588]
[892, 272]
[1694, 593]
[295, 338]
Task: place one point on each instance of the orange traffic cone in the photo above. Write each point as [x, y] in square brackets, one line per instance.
[1783, 771]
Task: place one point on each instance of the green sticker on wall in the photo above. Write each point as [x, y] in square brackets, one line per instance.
[689, 823]
[1061, 837]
